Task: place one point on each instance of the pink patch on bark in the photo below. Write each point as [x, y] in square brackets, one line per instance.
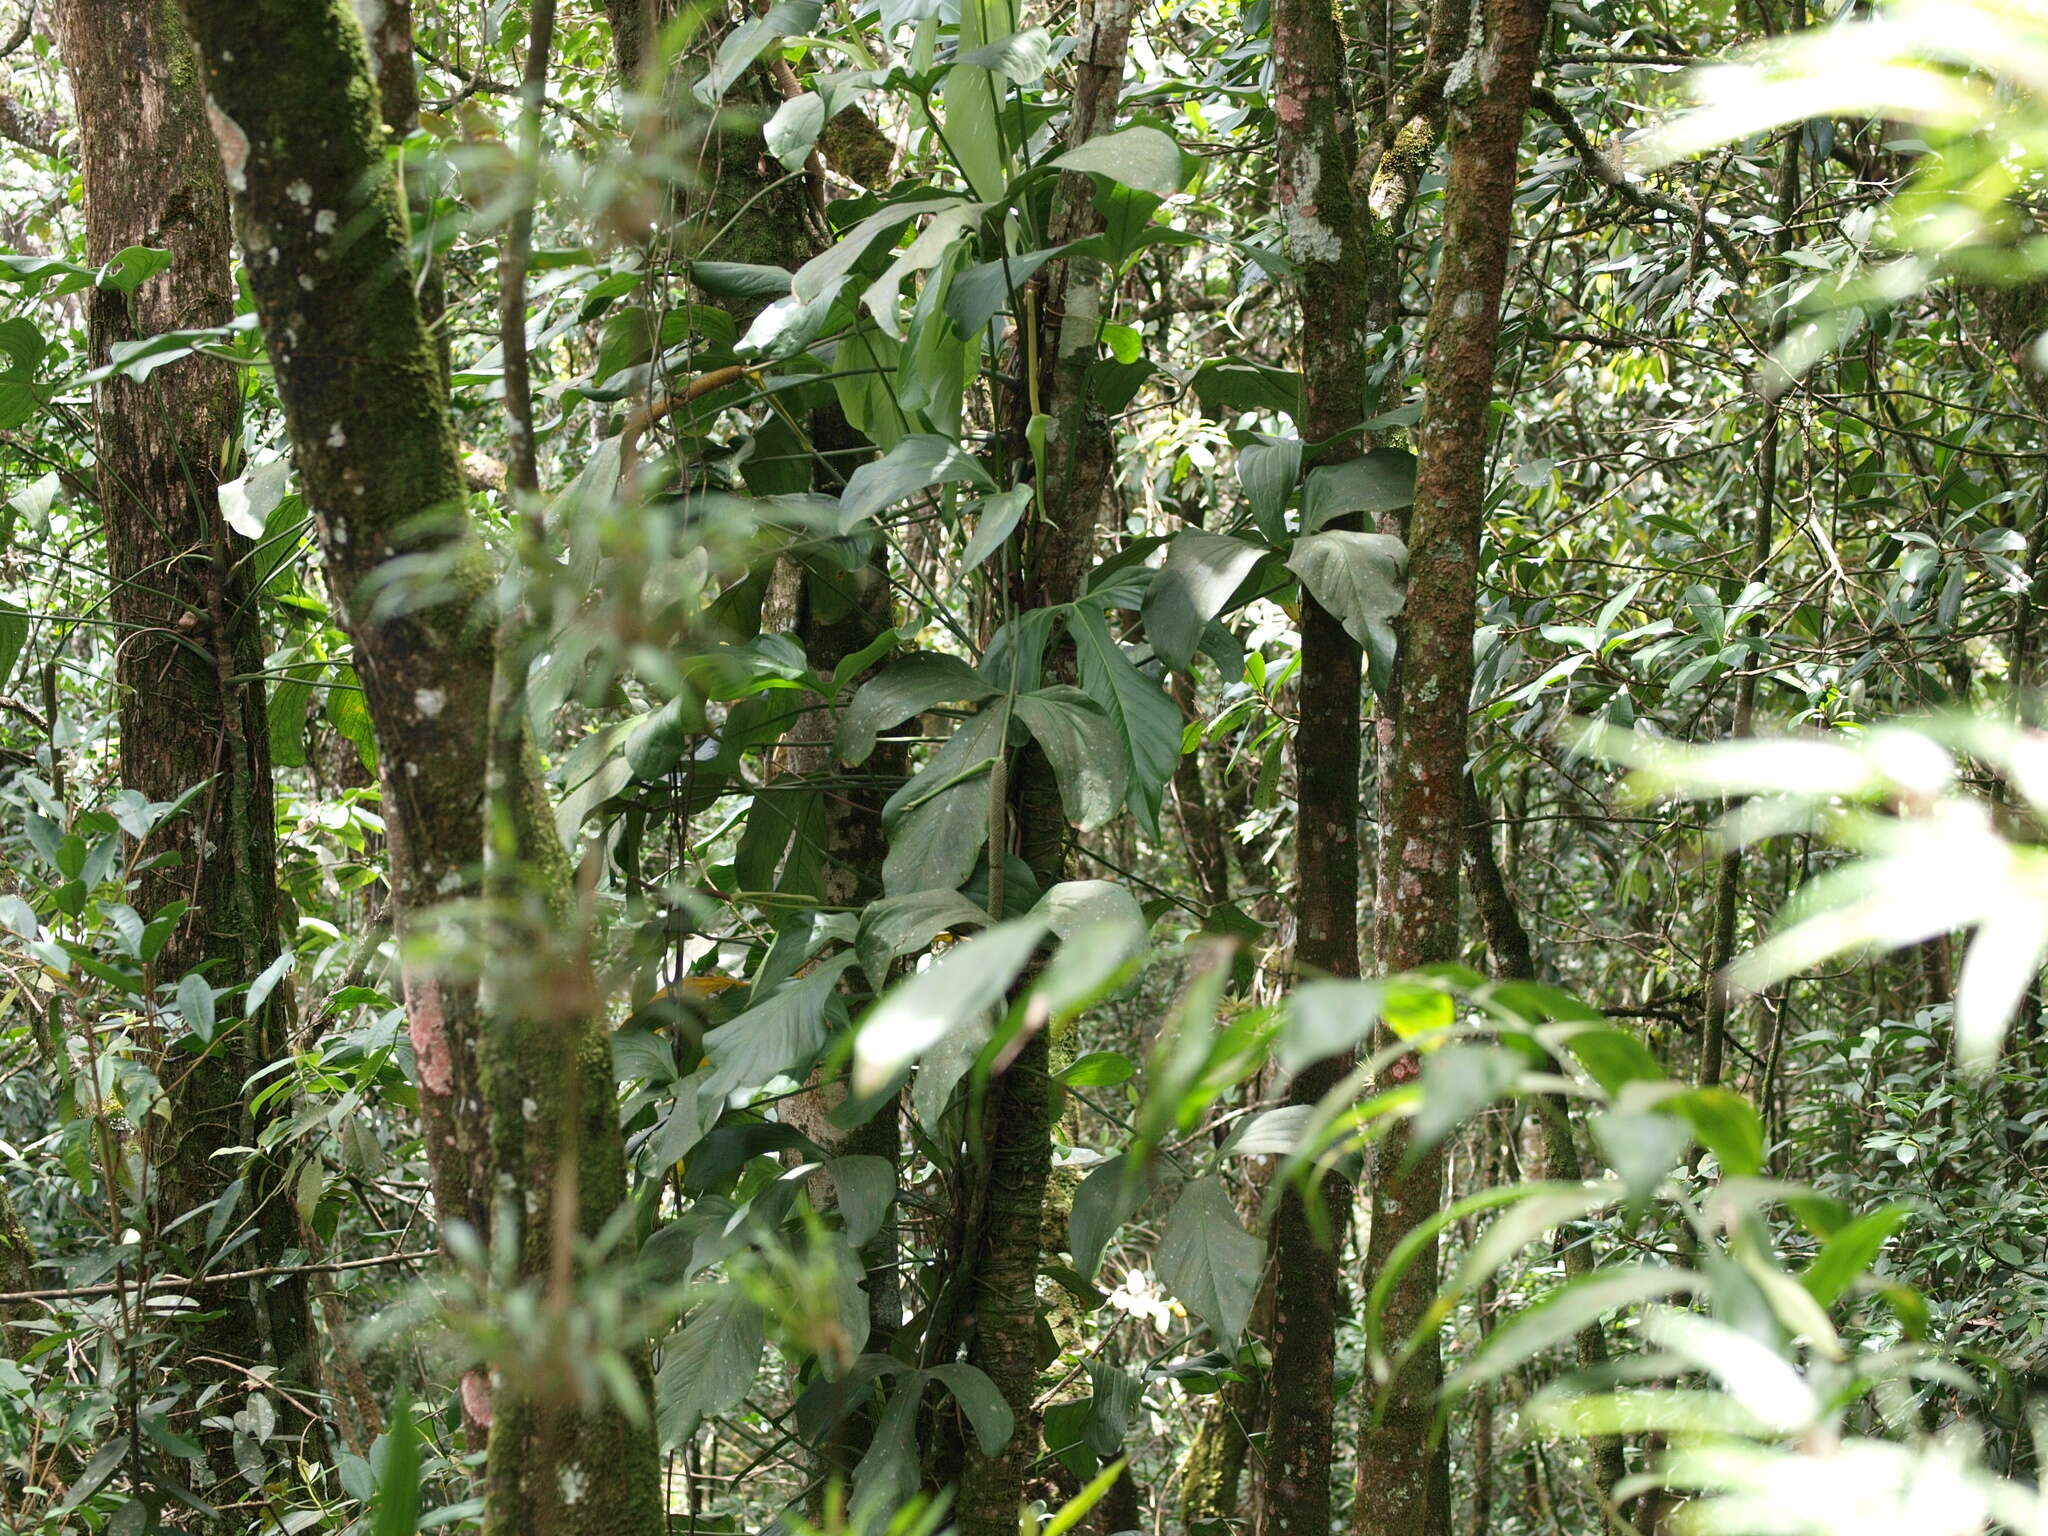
[476, 1399]
[429, 1031]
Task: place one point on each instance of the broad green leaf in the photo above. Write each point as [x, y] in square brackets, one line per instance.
[247, 501]
[1642, 1148]
[1358, 577]
[823, 273]
[902, 925]
[1380, 481]
[940, 840]
[908, 688]
[740, 280]
[1228, 385]
[978, 1398]
[398, 1474]
[980, 292]
[1021, 57]
[1085, 750]
[782, 1035]
[22, 345]
[966, 755]
[1458, 1080]
[1147, 719]
[934, 243]
[707, 1369]
[867, 1188]
[1201, 572]
[975, 130]
[131, 267]
[1107, 1198]
[752, 38]
[919, 1012]
[915, 464]
[1074, 907]
[996, 519]
[14, 628]
[1563, 1313]
[1325, 1018]
[1208, 1260]
[887, 1475]
[195, 1003]
[1142, 158]
[1097, 1069]
[1726, 1124]
[793, 131]
[1845, 1256]
[1268, 470]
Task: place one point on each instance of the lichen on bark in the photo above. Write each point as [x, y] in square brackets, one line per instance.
[193, 639]
[323, 237]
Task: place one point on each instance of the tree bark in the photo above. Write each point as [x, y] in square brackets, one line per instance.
[1512, 957]
[323, 236]
[1324, 230]
[1403, 1482]
[191, 629]
[1052, 557]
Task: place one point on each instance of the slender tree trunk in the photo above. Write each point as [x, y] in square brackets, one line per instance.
[1403, 1481]
[323, 235]
[834, 614]
[1013, 1157]
[1512, 957]
[1317, 158]
[1728, 871]
[192, 630]
[1208, 859]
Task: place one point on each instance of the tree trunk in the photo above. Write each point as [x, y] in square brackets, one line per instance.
[1513, 958]
[1052, 560]
[1317, 159]
[1403, 1482]
[323, 235]
[191, 629]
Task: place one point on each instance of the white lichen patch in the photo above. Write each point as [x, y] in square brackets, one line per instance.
[574, 1481]
[430, 701]
[1308, 237]
[336, 438]
[323, 222]
[300, 192]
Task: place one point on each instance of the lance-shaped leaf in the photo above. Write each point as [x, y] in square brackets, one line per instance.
[918, 463]
[708, 1367]
[952, 995]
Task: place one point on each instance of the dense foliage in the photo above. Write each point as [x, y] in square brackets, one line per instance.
[855, 765]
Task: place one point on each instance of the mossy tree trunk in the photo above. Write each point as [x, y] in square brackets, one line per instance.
[1403, 1481]
[191, 641]
[1316, 162]
[522, 1108]
[1051, 557]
